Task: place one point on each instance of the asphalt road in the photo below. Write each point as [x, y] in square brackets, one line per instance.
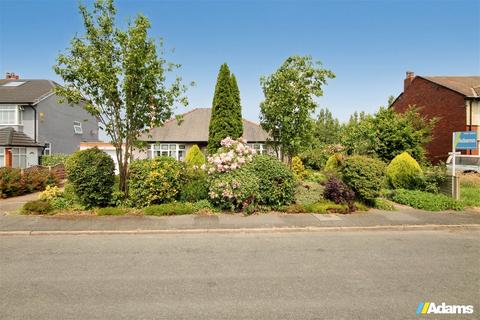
[360, 275]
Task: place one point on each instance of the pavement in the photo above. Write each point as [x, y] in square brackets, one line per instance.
[372, 220]
[15, 203]
[306, 275]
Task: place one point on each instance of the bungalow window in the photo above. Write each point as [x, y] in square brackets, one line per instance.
[11, 115]
[259, 147]
[19, 158]
[176, 151]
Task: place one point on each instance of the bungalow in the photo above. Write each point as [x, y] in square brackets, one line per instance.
[33, 122]
[175, 137]
[455, 101]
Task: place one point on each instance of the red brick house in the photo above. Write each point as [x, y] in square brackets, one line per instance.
[455, 101]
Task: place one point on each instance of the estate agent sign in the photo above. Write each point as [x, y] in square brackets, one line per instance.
[465, 140]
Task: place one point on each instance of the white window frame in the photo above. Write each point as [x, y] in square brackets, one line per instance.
[48, 149]
[77, 127]
[20, 152]
[262, 149]
[18, 114]
[168, 149]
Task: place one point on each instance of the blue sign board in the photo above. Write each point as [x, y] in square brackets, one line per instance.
[465, 140]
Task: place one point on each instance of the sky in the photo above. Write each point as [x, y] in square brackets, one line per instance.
[369, 45]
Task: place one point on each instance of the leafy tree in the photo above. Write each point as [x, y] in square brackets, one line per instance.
[327, 129]
[119, 77]
[387, 134]
[226, 119]
[285, 112]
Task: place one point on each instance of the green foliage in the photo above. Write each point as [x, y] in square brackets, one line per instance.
[383, 204]
[119, 77]
[234, 190]
[195, 188]
[37, 207]
[169, 209]
[404, 172]
[387, 134]
[289, 100]
[308, 193]
[203, 205]
[321, 206]
[425, 200]
[277, 183]
[317, 157]
[195, 157]
[111, 211]
[364, 175]
[334, 163]
[91, 172]
[14, 183]
[155, 181]
[315, 176]
[433, 178]
[226, 119]
[53, 159]
[327, 129]
[50, 193]
[298, 168]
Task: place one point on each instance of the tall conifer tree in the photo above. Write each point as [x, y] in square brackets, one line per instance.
[226, 112]
[238, 107]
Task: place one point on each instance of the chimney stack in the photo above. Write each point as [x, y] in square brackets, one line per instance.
[408, 80]
[11, 76]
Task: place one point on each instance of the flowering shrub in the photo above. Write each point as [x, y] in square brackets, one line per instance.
[50, 193]
[231, 156]
[234, 190]
[155, 181]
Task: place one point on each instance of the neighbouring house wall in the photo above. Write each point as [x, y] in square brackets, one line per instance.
[55, 125]
[440, 102]
[473, 109]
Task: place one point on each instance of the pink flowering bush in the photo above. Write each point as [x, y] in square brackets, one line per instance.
[231, 156]
[234, 190]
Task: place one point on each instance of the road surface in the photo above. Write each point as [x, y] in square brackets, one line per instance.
[315, 275]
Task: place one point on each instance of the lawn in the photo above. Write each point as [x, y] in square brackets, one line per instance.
[470, 196]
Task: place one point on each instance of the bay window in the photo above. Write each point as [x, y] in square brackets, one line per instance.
[11, 115]
[19, 158]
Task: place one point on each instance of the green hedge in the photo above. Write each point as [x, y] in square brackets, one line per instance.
[53, 159]
[91, 172]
